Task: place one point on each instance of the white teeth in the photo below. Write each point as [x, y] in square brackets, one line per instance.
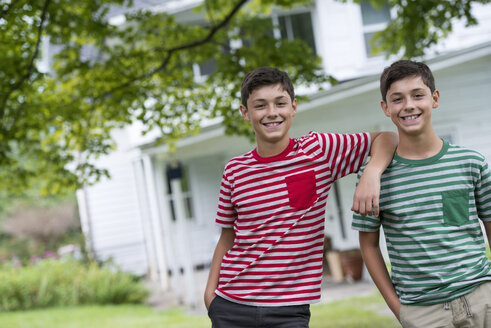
[272, 124]
[412, 117]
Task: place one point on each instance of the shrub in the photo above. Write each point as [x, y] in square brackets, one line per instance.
[66, 283]
[47, 225]
[30, 230]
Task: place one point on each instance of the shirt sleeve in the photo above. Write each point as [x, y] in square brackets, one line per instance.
[367, 223]
[345, 153]
[483, 193]
[226, 213]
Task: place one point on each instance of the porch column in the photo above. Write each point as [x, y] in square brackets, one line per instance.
[154, 216]
[144, 209]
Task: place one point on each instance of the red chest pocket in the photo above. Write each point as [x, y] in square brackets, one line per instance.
[301, 189]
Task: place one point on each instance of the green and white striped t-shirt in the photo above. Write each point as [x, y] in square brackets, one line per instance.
[430, 211]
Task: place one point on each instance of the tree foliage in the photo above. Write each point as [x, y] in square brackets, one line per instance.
[104, 76]
[419, 25]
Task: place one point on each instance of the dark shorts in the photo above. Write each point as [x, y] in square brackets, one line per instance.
[226, 314]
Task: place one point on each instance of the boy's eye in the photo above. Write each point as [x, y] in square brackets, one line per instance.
[259, 106]
[282, 104]
[396, 100]
[418, 96]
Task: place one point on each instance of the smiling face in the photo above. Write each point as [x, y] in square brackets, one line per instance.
[270, 111]
[409, 105]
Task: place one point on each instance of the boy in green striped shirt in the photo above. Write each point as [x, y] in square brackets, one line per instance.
[433, 198]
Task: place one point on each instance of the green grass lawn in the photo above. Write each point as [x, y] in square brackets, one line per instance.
[120, 316]
[350, 313]
[360, 312]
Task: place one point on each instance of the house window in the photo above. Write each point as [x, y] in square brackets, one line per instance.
[202, 70]
[374, 20]
[291, 26]
[297, 26]
[207, 67]
[186, 195]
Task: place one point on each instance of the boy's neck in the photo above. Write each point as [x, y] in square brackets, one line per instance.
[419, 146]
[266, 149]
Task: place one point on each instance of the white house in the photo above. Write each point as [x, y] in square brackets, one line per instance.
[133, 217]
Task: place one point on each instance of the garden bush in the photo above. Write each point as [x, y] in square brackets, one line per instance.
[66, 283]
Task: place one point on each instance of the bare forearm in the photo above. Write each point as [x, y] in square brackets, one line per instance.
[382, 280]
[382, 150]
[375, 264]
[367, 193]
[225, 242]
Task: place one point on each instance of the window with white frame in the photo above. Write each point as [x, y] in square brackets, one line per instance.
[186, 195]
[288, 26]
[374, 20]
[202, 70]
[296, 26]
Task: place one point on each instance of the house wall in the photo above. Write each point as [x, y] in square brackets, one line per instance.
[467, 36]
[205, 174]
[339, 38]
[110, 214]
[465, 104]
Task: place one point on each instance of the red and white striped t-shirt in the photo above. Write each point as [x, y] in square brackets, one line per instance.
[276, 206]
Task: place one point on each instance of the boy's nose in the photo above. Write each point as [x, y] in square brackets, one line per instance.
[272, 110]
[409, 104]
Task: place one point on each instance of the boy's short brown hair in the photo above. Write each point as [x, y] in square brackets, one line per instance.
[265, 76]
[405, 68]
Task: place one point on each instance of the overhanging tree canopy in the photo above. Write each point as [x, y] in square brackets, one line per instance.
[105, 76]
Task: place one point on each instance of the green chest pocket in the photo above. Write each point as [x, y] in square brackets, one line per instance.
[455, 207]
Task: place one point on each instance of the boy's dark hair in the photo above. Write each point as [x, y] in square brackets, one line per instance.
[265, 76]
[405, 68]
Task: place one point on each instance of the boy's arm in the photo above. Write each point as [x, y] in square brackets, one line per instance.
[374, 261]
[226, 241]
[366, 197]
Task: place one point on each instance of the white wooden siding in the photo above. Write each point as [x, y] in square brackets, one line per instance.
[115, 222]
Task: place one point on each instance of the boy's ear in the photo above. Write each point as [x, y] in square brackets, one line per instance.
[244, 112]
[385, 108]
[294, 106]
[436, 98]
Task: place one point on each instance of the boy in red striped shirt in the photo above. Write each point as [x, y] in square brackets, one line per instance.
[267, 266]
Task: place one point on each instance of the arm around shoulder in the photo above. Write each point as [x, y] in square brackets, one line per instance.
[366, 196]
[382, 149]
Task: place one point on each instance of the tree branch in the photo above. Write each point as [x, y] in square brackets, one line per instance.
[30, 67]
[170, 52]
[38, 41]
